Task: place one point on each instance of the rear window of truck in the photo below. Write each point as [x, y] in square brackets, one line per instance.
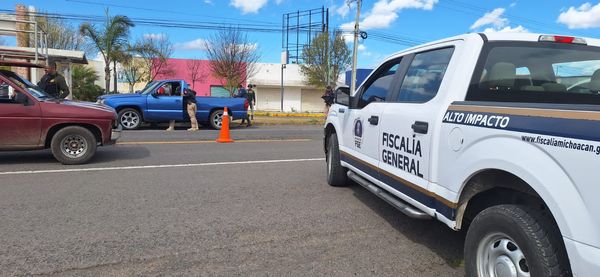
[537, 72]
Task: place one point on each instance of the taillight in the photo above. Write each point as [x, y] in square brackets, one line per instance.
[562, 39]
[246, 104]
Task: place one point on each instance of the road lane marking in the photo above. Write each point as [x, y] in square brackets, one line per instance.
[208, 141]
[155, 166]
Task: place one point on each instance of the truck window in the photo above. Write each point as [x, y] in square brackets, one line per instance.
[377, 87]
[536, 72]
[424, 76]
[8, 93]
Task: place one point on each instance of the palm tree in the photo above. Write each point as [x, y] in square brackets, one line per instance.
[110, 37]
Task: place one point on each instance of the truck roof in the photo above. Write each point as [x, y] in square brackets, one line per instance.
[497, 36]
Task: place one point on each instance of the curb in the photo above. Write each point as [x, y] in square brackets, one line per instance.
[280, 114]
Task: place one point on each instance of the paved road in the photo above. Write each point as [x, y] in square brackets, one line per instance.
[200, 208]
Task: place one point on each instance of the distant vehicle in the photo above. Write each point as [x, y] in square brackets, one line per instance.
[497, 134]
[151, 106]
[31, 119]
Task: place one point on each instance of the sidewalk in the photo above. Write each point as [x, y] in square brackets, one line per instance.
[288, 118]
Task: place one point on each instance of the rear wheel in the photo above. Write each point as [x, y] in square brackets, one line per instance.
[216, 119]
[513, 240]
[73, 145]
[336, 174]
[130, 119]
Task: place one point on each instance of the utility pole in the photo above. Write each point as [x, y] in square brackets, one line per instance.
[354, 51]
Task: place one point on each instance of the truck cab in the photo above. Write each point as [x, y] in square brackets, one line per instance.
[492, 133]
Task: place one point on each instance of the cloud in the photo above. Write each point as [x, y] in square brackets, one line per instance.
[498, 23]
[385, 12]
[208, 2]
[507, 29]
[248, 6]
[278, 2]
[584, 17]
[154, 36]
[491, 18]
[197, 44]
[342, 10]
[362, 47]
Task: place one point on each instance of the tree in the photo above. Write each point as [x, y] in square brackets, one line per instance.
[61, 35]
[155, 51]
[108, 39]
[324, 59]
[195, 70]
[232, 58]
[84, 87]
[134, 71]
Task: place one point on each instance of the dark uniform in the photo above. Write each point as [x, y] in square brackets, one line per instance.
[55, 85]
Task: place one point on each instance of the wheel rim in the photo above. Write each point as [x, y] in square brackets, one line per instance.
[218, 119]
[130, 119]
[499, 256]
[73, 146]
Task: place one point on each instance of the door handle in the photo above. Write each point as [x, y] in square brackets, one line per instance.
[342, 110]
[374, 120]
[420, 127]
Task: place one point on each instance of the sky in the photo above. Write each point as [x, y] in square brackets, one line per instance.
[391, 25]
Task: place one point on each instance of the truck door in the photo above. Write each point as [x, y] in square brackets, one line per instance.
[20, 117]
[165, 102]
[361, 124]
[406, 133]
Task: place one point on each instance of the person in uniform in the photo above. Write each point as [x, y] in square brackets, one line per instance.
[328, 97]
[189, 97]
[53, 83]
[251, 99]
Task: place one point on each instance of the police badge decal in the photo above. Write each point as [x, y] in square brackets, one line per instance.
[358, 131]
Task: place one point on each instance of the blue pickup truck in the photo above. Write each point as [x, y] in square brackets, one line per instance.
[151, 105]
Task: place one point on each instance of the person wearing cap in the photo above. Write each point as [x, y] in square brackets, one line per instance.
[243, 93]
[53, 83]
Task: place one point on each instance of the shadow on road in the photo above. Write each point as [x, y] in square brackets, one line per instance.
[446, 243]
[103, 155]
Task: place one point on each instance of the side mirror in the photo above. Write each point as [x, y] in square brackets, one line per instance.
[342, 96]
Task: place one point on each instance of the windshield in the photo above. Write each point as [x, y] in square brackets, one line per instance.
[537, 73]
[34, 90]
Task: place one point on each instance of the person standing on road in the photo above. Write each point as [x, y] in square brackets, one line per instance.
[251, 99]
[189, 98]
[242, 93]
[328, 98]
[53, 83]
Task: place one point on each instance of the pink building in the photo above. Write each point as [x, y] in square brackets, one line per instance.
[206, 86]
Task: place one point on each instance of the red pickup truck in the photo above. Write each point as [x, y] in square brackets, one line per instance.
[30, 119]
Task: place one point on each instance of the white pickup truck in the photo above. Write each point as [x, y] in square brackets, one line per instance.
[497, 133]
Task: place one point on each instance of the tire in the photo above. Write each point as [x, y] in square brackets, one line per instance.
[73, 145]
[215, 119]
[336, 174]
[130, 118]
[515, 238]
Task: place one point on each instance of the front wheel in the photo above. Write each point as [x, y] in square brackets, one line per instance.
[336, 174]
[216, 119]
[130, 119]
[513, 240]
[73, 145]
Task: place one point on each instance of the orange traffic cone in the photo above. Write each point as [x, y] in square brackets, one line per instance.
[224, 135]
